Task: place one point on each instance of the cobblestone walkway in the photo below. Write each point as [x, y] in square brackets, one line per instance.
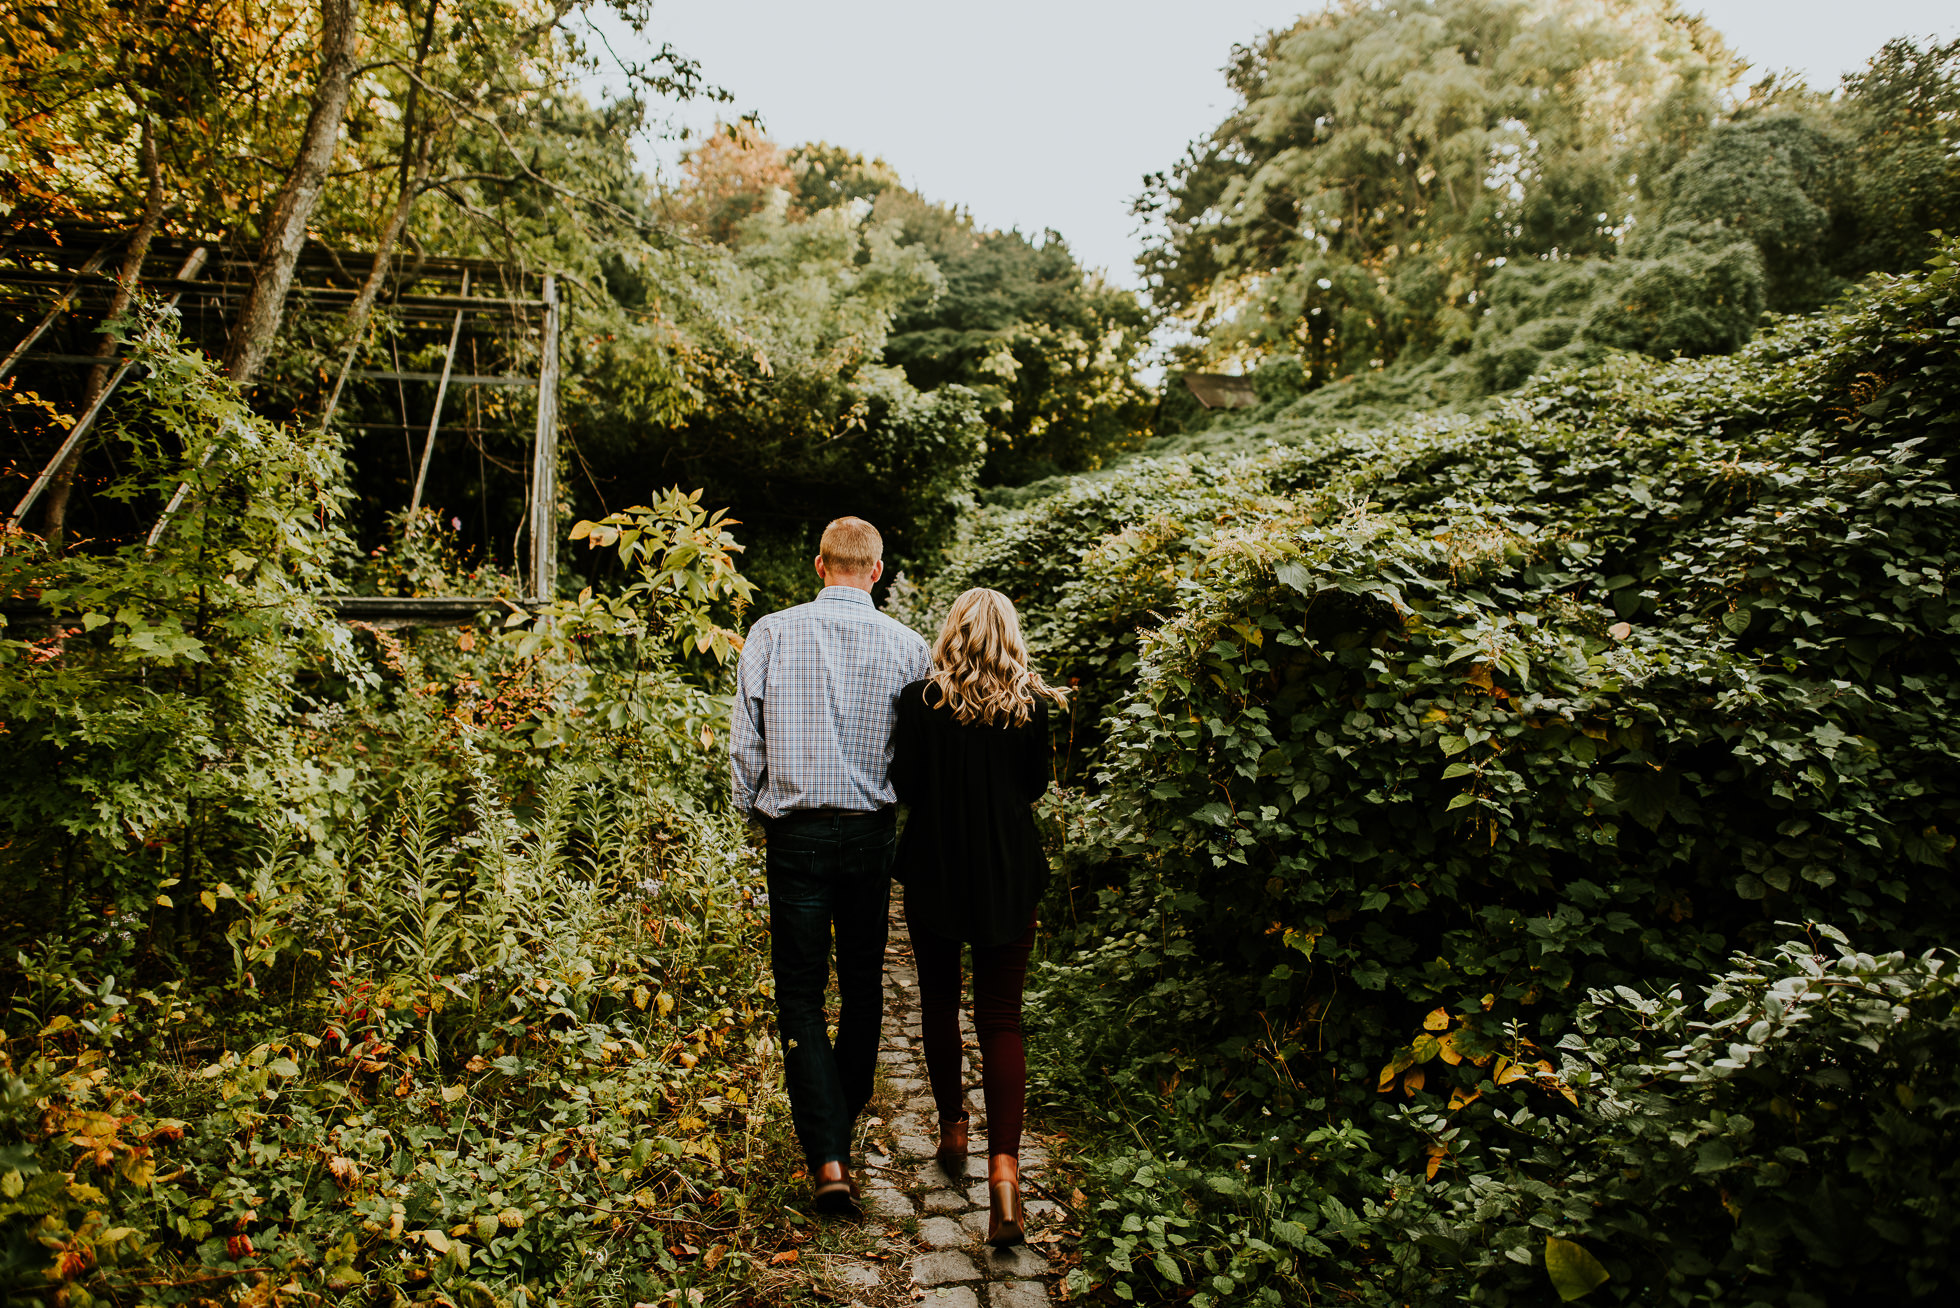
[947, 1264]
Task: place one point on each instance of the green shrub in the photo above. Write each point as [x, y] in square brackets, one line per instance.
[351, 965]
[1791, 1138]
[1479, 718]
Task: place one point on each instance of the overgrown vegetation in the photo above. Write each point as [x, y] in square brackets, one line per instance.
[1510, 811]
[1426, 204]
[1455, 793]
[350, 962]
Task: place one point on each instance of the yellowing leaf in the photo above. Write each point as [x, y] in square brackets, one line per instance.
[209, 900]
[1575, 1273]
[451, 1093]
[1446, 1049]
[1413, 1081]
[436, 1240]
[1438, 1020]
[641, 995]
[164, 901]
[1459, 1097]
[665, 1003]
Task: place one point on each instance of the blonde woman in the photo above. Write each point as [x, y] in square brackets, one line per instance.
[970, 756]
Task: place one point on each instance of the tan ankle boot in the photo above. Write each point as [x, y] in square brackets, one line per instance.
[1004, 1224]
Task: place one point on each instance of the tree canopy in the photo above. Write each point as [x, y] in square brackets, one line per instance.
[1401, 184]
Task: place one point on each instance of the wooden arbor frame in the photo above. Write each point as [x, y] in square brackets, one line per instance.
[59, 272]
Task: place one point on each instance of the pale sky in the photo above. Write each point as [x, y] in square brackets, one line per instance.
[1048, 113]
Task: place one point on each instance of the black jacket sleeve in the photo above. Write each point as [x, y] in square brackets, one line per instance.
[907, 748]
[1037, 753]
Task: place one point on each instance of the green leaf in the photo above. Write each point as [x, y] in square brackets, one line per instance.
[1575, 1273]
[1736, 621]
[1215, 813]
[1296, 574]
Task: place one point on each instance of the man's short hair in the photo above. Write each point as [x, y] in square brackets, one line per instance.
[851, 546]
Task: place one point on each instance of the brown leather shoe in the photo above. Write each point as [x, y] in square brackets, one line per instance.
[836, 1195]
[953, 1146]
[1004, 1223]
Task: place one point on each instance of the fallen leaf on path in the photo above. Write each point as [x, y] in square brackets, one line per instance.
[786, 1256]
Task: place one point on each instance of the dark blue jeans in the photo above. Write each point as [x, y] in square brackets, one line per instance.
[828, 874]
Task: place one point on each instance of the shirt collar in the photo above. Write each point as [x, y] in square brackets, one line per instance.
[849, 594]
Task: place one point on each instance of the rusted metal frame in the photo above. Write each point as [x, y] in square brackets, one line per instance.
[435, 416]
[60, 306]
[321, 294]
[87, 420]
[544, 457]
[420, 610]
[487, 379]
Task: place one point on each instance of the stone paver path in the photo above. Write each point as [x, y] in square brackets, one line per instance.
[948, 1264]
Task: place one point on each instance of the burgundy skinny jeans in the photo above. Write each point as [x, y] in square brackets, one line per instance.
[999, 973]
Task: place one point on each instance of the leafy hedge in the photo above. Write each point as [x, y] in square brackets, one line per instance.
[343, 965]
[1418, 737]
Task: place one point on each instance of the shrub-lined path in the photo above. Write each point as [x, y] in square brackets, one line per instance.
[947, 1263]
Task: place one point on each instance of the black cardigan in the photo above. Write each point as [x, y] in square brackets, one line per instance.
[970, 857]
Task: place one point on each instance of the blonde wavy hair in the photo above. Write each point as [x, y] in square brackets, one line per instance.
[980, 663]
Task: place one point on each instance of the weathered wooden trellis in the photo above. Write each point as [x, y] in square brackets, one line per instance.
[56, 271]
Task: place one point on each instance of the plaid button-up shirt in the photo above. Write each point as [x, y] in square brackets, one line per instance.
[816, 699]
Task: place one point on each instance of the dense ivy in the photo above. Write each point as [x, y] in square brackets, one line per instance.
[1429, 731]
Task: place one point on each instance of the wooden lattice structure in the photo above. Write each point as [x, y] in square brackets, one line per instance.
[56, 286]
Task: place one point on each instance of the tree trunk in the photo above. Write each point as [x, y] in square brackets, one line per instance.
[418, 153]
[54, 521]
[285, 230]
[363, 306]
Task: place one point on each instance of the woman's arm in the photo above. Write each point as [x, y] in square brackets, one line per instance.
[1037, 753]
[906, 745]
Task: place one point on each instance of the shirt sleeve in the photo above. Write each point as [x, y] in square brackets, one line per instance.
[1037, 754]
[748, 755]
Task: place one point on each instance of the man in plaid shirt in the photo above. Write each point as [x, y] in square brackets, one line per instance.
[816, 700]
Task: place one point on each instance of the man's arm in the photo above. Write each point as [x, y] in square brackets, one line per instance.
[748, 754]
[919, 662]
